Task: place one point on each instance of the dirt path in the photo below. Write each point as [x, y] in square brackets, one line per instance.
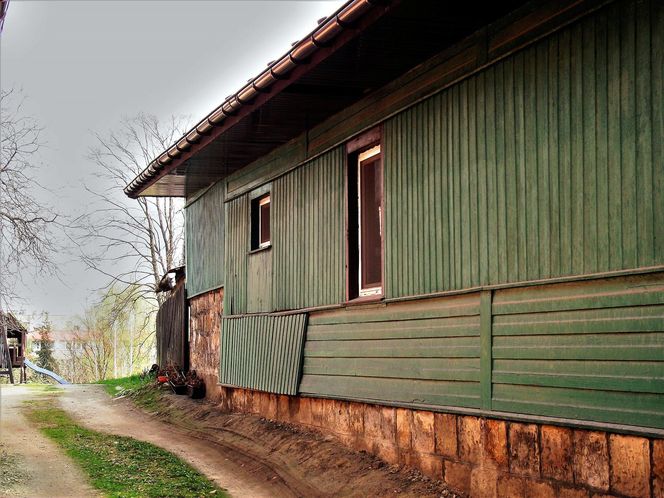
[247, 455]
[42, 469]
[237, 472]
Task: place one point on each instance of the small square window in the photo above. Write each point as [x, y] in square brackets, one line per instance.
[260, 222]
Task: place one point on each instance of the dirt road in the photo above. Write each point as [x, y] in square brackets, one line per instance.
[32, 465]
[244, 454]
[233, 471]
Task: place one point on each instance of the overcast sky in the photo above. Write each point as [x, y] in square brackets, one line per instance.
[83, 65]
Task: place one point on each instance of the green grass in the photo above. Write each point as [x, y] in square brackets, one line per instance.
[121, 466]
[117, 386]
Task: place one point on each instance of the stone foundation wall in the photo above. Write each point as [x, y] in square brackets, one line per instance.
[480, 457]
[204, 328]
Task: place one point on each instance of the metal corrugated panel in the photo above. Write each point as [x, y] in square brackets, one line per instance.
[204, 230]
[308, 234]
[237, 246]
[590, 351]
[549, 163]
[419, 352]
[262, 352]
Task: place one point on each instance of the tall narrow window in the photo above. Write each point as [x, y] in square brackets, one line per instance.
[260, 222]
[370, 233]
[365, 222]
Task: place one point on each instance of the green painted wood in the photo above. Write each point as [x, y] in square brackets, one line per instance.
[259, 273]
[427, 351]
[204, 229]
[592, 350]
[565, 158]
[442, 393]
[643, 409]
[461, 369]
[308, 242]
[262, 352]
[237, 248]
[486, 337]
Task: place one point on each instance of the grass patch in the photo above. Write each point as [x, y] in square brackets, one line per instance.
[117, 386]
[44, 388]
[121, 466]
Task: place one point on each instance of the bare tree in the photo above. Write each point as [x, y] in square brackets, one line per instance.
[134, 242]
[26, 237]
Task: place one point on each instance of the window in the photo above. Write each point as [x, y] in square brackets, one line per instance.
[365, 220]
[260, 222]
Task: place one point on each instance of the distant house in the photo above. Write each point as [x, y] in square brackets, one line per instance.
[437, 230]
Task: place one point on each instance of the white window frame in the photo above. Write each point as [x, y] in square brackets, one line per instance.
[363, 156]
[261, 202]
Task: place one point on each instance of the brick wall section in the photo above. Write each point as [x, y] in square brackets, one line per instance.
[204, 327]
[477, 456]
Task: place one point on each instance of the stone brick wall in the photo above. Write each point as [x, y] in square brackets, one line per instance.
[204, 328]
[477, 456]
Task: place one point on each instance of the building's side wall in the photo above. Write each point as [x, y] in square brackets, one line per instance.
[305, 265]
[587, 350]
[424, 352]
[483, 457]
[546, 164]
[204, 231]
[549, 163]
[204, 337]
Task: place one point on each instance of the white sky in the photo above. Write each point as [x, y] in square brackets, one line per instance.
[85, 64]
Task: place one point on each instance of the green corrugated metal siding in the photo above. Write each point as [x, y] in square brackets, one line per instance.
[425, 352]
[547, 164]
[308, 234]
[237, 246]
[262, 352]
[204, 229]
[590, 351]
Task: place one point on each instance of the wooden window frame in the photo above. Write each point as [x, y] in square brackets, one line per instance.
[354, 148]
[257, 201]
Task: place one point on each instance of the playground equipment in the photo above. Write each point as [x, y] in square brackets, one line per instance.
[13, 339]
[43, 371]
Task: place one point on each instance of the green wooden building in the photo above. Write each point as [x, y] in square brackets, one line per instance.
[440, 207]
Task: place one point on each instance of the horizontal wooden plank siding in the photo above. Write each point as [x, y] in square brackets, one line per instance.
[591, 350]
[419, 352]
[204, 229]
[546, 164]
[262, 352]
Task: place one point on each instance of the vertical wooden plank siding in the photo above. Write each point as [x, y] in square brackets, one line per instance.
[562, 141]
[305, 265]
[204, 230]
[586, 350]
[237, 246]
[171, 322]
[412, 352]
[308, 234]
[262, 352]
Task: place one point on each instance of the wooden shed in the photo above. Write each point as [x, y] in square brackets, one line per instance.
[13, 342]
[435, 225]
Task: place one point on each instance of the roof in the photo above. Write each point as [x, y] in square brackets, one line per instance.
[13, 324]
[356, 50]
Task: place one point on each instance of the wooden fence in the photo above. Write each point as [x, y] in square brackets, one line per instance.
[172, 342]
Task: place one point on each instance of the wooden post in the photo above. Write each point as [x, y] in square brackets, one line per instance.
[486, 360]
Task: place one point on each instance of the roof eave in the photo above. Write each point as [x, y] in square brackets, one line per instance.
[330, 34]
